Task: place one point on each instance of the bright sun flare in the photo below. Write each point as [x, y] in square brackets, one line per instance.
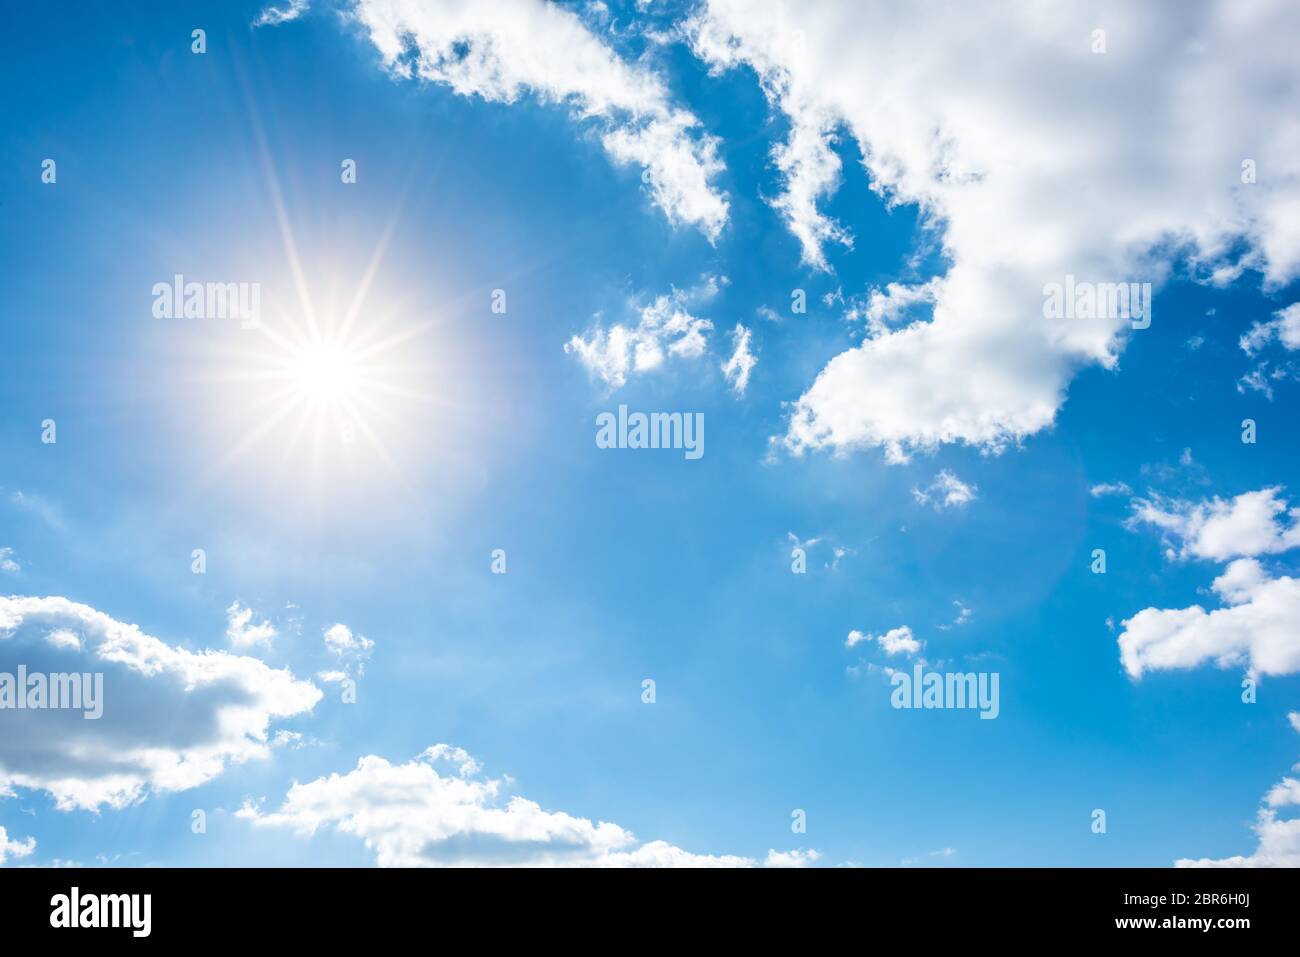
[327, 373]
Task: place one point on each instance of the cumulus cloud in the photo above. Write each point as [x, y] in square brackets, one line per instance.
[742, 361]
[349, 647]
[1246, 525]
[946, 491]
[664, 329]
[1284, 327]
[7, 561]
[503, 49]
[1279, 838]
[893, 642]
[1259, 627]
[887, 307]
[341, 640]
[14, 848]
[172, 718]
[240, 630]
[987, 145]
[439, 810]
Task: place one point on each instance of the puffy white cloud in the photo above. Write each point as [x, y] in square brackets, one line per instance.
[502, 49]
[946, 491]
[742, 361]
[240, 630]
[1279, 838]
[1259, 627]
[1243, 526]
[7, 561]
[887, 307]
[14, 848]
[1279, 845]
[664, 329]
[349, 647]
[1284, 326]
[438, 810]
[172, 719]
[1102, 166]
[893, 642]
[798, 858]
[340, 639]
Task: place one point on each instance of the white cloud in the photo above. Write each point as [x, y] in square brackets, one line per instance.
[7, 561]
[1259, 627]
[665, 328]
[1110, 488]
[1279, 838]
[273, 16]
[240, 630]
[893, 642]
[502, 49]
[1279, 845]
[1284, 326]
[946, 491]
[1244, 526]
[14, 848]
[340, 640]
[886, 307]
[353, 648]
[1095, 168]
[742, 361]
[797, 858]
[172, 719]
[415, 814]
[963, 616]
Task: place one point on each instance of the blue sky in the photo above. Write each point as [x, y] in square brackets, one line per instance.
[623, 565]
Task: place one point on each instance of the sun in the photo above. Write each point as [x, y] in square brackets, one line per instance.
[324, 394]
[326, 373]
